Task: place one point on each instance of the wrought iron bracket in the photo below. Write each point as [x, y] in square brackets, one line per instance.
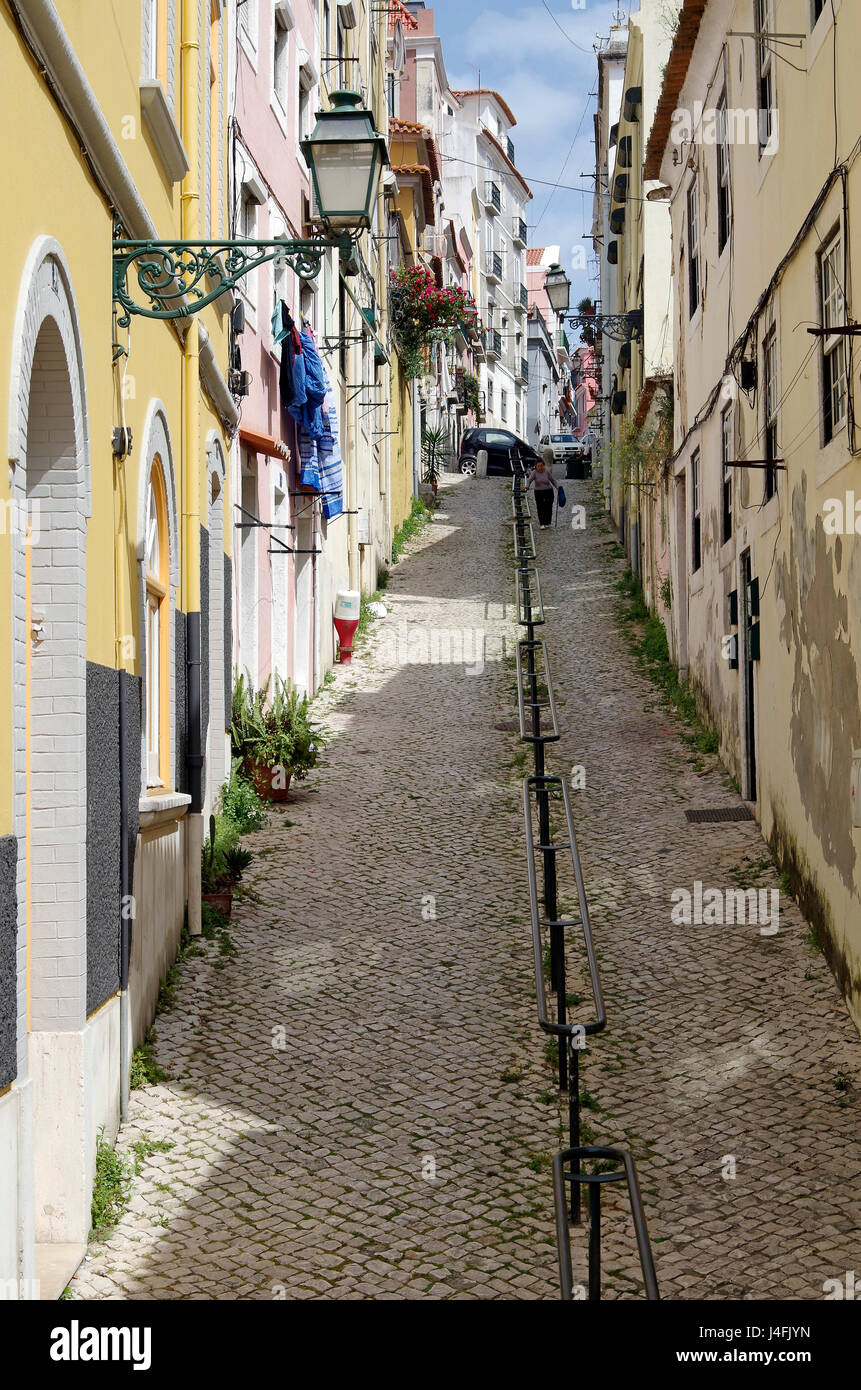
[622, 328]
[172, 276]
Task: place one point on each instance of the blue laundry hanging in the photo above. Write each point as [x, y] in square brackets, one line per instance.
[321, 466]
[309, 388]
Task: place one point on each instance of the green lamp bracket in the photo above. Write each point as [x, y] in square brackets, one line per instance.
[176, 279]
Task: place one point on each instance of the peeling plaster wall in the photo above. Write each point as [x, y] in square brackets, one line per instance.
[806, 711]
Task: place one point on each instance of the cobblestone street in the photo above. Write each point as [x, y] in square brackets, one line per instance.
[359, 1100]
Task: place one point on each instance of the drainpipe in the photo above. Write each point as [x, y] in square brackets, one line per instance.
[190, 51]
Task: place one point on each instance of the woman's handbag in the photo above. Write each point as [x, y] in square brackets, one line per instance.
[560, 496]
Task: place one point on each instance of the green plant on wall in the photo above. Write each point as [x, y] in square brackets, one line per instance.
[471, 392]
[641, 457]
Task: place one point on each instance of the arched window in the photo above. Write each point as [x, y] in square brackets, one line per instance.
[157, 630]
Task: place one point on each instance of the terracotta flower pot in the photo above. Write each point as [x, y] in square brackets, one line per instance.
[222, 901]
[261, 779]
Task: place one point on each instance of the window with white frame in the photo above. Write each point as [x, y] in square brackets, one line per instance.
[723, 191]
[503, 406]
[281, 57]
[726, 474]
[248, 232]
[248, 20]
[306, 99]
[831, 271]
[696, 513]
[693, 249]
[157, 634]
[151, 19]
[764, 19]
[769, 354]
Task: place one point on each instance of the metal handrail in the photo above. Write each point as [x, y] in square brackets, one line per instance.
[594, 1182]
[564, 1030]
[525, 581]
[528, 649]
[524, 543]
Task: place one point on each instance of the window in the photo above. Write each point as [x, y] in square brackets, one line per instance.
[248, 20]
[248, 232]
[281, 60]
[724, 210]
[833, 346]
[343, 65]
[771, 407]
[154, 58]
[693, 250]
[157, 630]
[151, 22]
[503, 406]
[765, 65]
[490, 393]
[696, 514]
[306, 91]
[726, 474]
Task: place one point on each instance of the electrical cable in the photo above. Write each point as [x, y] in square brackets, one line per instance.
[573, 42]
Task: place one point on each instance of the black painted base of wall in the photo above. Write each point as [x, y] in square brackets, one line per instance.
[8, 959]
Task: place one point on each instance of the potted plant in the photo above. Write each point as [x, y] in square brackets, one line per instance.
[215, 880]
[434, 443]
[274, 736]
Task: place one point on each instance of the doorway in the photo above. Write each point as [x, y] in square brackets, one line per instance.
[748, 680]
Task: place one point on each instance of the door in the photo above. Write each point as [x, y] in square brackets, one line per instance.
[748, 680]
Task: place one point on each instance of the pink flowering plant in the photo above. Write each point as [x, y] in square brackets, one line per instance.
[422, 312]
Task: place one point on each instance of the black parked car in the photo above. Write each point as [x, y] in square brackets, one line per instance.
[505, 452]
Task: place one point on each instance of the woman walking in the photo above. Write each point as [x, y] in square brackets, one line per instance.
[545, 485]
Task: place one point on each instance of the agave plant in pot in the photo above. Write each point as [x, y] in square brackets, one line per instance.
[274, 736]
[222, 866]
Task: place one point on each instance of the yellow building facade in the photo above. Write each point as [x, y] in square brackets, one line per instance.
[114, 577]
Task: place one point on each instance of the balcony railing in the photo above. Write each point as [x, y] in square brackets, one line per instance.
[524, 369]
[524, 297]
[493, 197]
[493, 343]
[494, 266]
[519, 231]
[517, 297]
[510, 147]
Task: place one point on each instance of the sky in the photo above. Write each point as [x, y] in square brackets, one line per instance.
[541, 59]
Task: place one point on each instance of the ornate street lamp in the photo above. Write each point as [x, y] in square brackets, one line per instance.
[346, 157]
[558, 288]
[621, 327]
[177, 279]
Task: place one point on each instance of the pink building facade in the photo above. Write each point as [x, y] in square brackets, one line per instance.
[276, 98]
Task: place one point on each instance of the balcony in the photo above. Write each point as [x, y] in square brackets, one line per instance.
[519, 233]
[524, 297]
[524, 369]
[517, 299]
[493, 268]
[493, 344]
[492, 199]
[510, 148]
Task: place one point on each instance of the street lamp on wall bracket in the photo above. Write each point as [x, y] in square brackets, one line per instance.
[177, 279]
[622, 328]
